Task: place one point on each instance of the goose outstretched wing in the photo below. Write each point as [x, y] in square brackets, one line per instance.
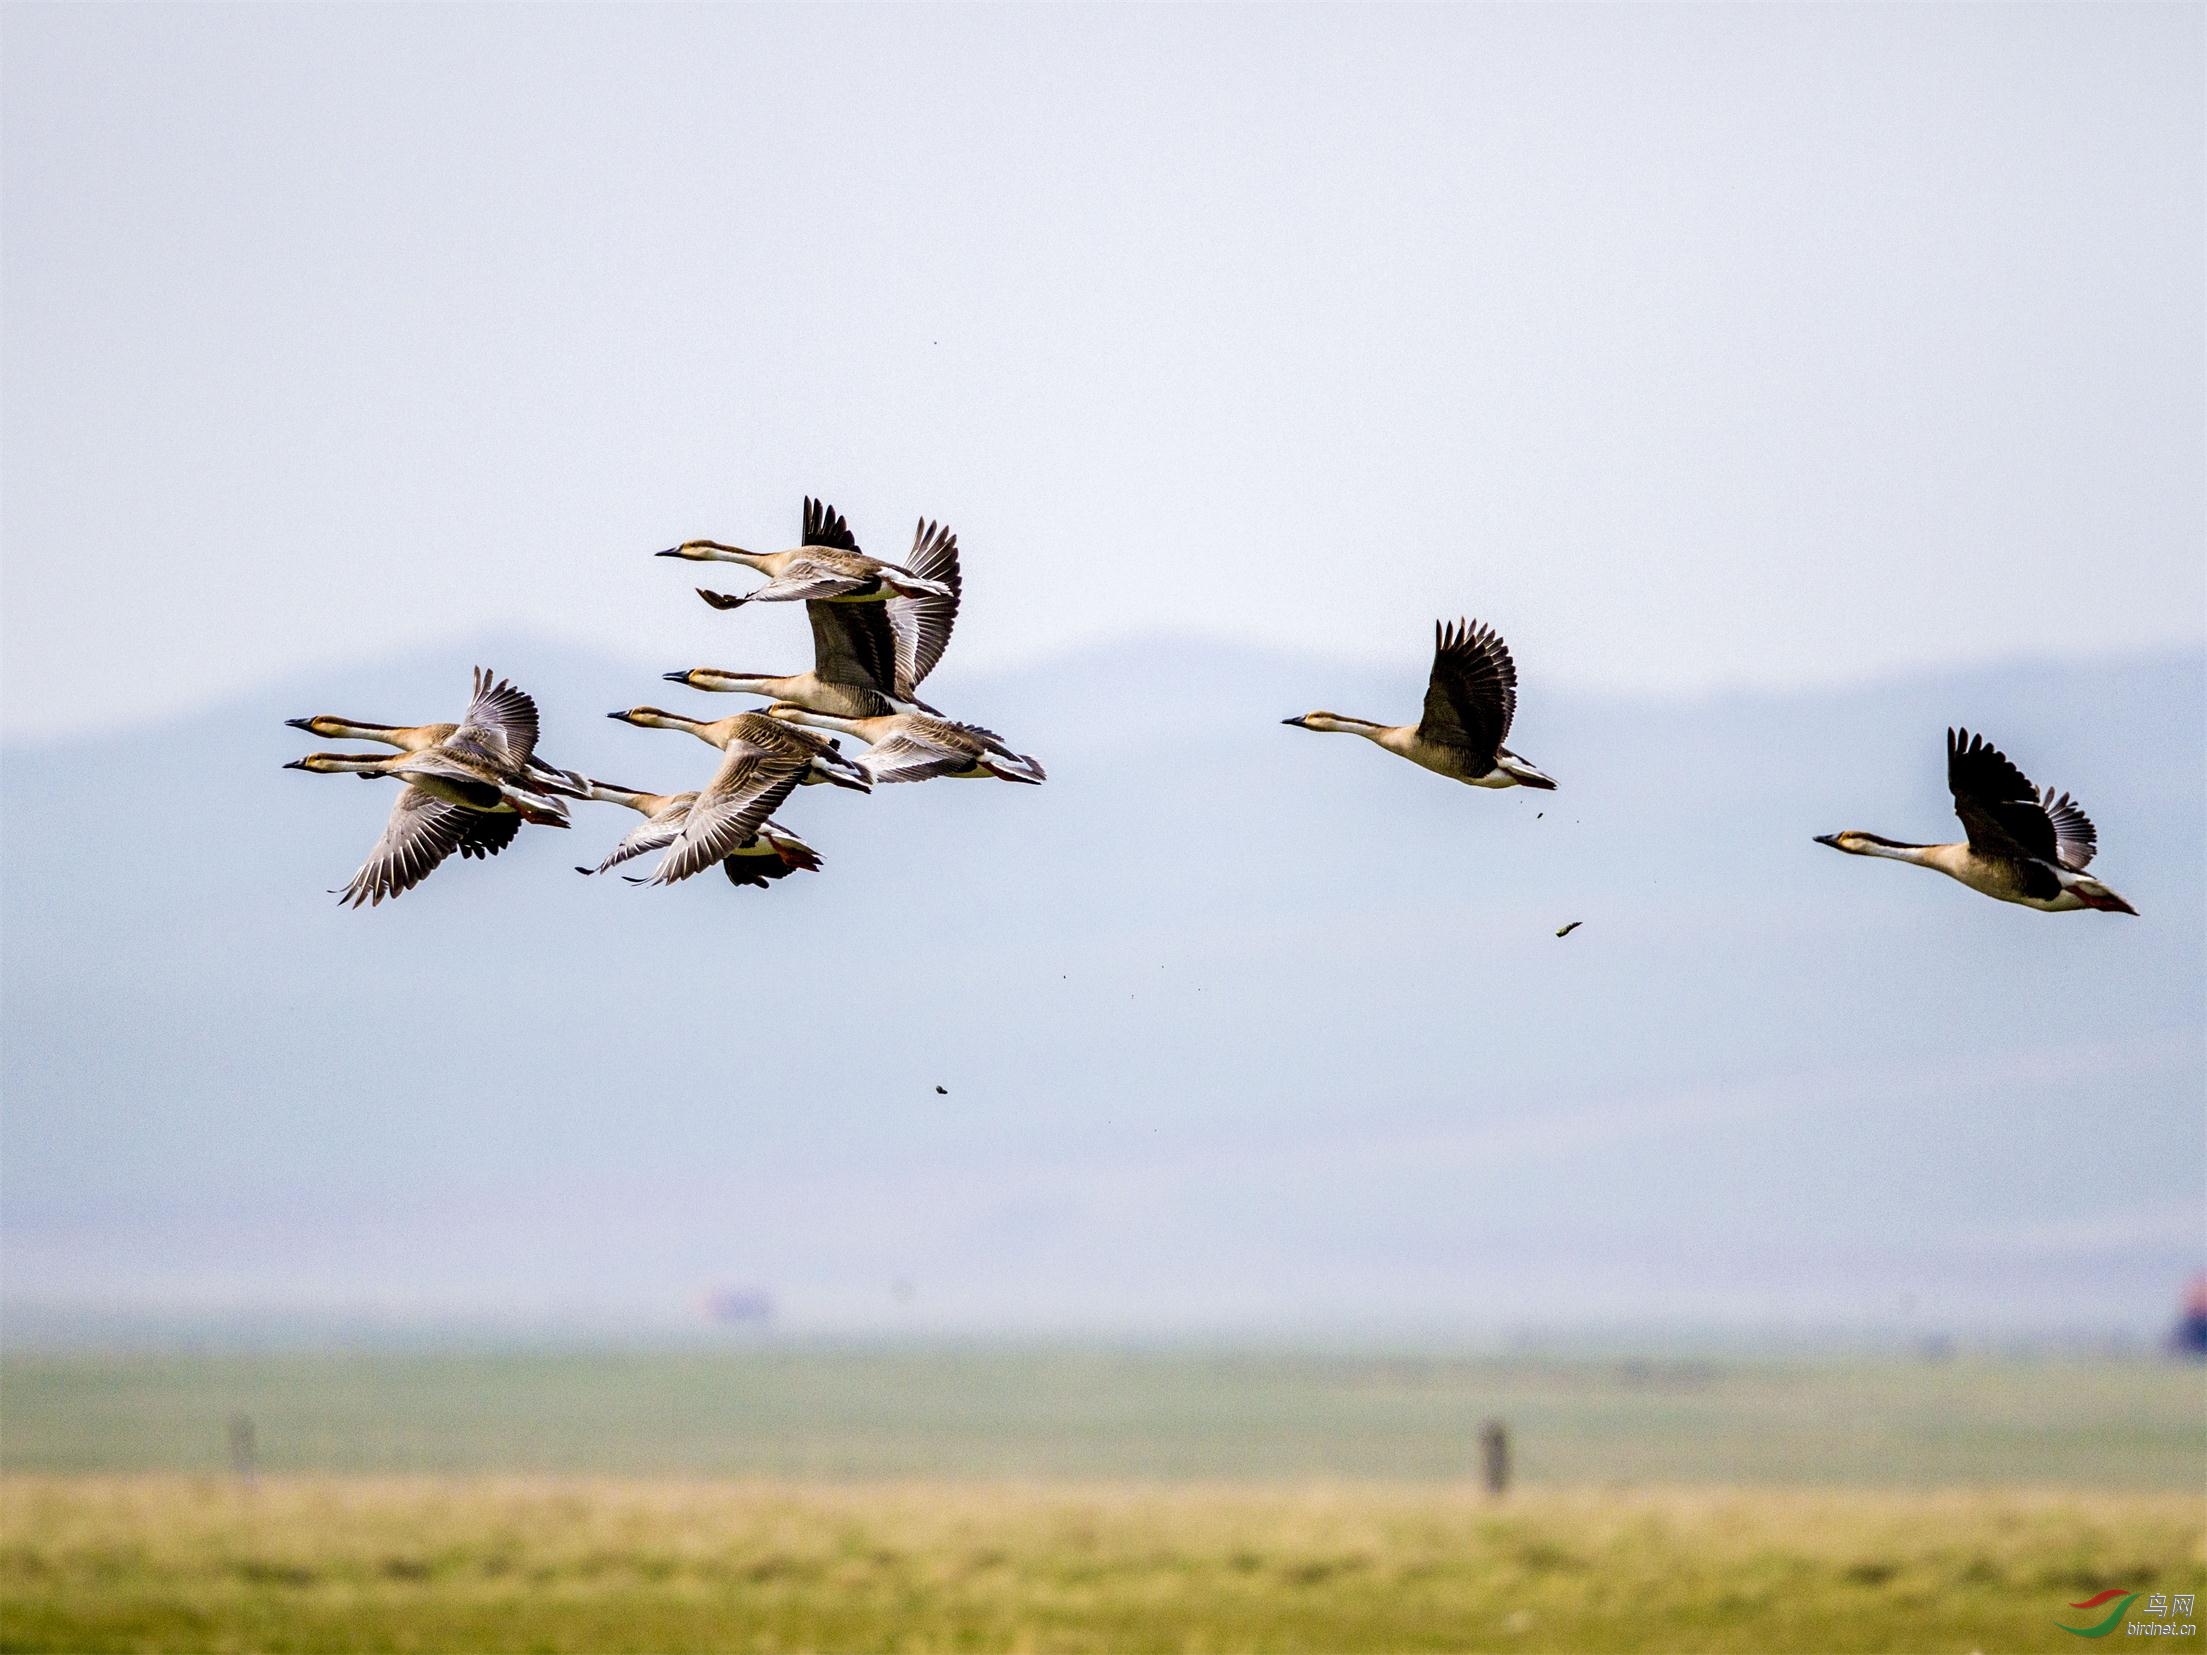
[749, 787]
[2002, 812]
[922, 625]
[500, 723]
[904, 758]
[482, 835]
[806, 577]
[1471, 696]
[655, 832]
[419, 834]
[855, 643]
[824, 526]
[2075, 840]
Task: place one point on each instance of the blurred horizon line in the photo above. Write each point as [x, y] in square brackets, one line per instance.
[1410, 663]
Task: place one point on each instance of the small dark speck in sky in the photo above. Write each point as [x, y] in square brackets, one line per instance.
[1565, 932]
[942, 1091]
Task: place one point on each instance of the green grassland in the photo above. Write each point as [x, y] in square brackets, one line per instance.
[810, 1498]
[330, 1564]
[888, 1413]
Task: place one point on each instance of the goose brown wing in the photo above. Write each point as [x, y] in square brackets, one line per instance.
[765, 736]
[656, 832]
[949, 734]
[420, 833]
[1999, 808]
[922, 625]
[809, 578]
[855, 643]
[749, 788]
[1471, 696]
[904, 759]
[824, 526]
[500, 723]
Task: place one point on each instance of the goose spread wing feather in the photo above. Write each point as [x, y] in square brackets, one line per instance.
[923, 625]
[655, 832]
[1471, 696]
[2000, 809]
[805, 578]
[500, 723]
[824, 526]
[748, 789]
[483, 835]
[420, 833]
[2075, 840]
[856, 643]
[904, 758]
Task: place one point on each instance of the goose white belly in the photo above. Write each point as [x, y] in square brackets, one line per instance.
[1431, 755]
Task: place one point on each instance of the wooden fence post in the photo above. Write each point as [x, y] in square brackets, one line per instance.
[1494, 1455]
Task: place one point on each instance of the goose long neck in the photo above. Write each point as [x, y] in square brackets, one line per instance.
[737, 683]
[721, 553]
[345, 729]
[825, 721]
[606, 793]
[1893, 850]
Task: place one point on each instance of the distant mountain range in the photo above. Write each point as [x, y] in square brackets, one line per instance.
[1237, 1027]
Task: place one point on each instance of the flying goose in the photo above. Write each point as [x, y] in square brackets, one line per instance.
[480, 764]
[771, 853]
[2023, 845]
[868, 659]
[828, 566]
[500, 722]
[1469, 702]
[914, 747]
[757, 733]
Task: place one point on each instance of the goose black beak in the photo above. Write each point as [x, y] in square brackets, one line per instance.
[1831, 839]
[675, 677]
[1298, 723]
[671, 551]
[296, 764]
[306, 724]
[622, 717]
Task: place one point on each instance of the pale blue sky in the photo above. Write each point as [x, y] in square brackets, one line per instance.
[1692, 346]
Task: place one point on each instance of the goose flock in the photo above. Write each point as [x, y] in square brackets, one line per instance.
[878, 630]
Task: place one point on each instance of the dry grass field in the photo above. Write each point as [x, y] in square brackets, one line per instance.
[168, 1563]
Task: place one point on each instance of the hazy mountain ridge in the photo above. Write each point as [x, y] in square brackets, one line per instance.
[1238, 1024]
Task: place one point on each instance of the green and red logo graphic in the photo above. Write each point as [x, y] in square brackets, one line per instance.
[2114, 1615]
